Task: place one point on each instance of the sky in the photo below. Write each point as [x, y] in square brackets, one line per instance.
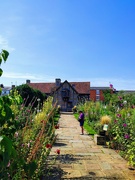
[74, 40]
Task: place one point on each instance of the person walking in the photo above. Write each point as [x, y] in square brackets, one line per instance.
[81, 120]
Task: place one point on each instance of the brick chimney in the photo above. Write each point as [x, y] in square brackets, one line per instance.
[27, 81]
[57, 82]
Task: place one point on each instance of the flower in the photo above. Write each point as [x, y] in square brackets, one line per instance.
[8, 164]
[28, 145]
[125, 102]
[58, 151]
[56, 126]
[127, 136]
[16, 134]
[48, 146]
[120, 98]
[118, 115]
[115, 121]
[111, 86]
[124, 125]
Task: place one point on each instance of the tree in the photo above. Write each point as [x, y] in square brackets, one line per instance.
[30, 95]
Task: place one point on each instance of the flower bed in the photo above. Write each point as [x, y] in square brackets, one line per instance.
[121, 125]
[26, 138]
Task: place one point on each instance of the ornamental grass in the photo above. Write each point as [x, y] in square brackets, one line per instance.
[105, 120]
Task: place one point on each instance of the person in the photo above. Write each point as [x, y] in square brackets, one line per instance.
[81, 120]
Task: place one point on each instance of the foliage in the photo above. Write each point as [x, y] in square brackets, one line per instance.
[120, 108]
[31, 95]
[107, 95]
[3, 57]
[24, 150]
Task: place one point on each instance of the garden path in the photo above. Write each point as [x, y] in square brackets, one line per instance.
[80, 158]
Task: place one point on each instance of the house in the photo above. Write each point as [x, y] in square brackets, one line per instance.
[66, 94]
[96, 93]
[5, 89]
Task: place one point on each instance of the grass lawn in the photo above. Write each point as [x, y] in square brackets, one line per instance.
[87, 127]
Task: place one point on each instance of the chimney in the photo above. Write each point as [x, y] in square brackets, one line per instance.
[27, 81]
[57, 82]
[2, 86]
[13, 86]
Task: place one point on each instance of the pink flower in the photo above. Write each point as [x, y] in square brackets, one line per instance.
[8, 164]
[118, 115]
[28, 145]
[124, 125]
[120, 98]
[111, 86]
[115, 121]
[127, 136]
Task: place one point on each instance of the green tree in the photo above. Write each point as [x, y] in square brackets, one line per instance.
[107, 95]
[30, 95]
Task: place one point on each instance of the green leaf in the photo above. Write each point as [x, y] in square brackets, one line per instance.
[1, 71]
[5, 55]
[1, 138]
[7, 143]
[0, 60]
[30, 168]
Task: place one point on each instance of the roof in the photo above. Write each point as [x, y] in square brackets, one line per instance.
[80, 87]
[99, 88]
[6, 88]
[43, 87]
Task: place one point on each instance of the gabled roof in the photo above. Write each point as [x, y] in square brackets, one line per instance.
[68, 84]
[80, 87]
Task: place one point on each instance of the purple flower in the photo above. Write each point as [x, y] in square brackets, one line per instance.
[118, 115]
[127, 136]
[120, 98]
[124, 125]
[111, 86]
[115, 121]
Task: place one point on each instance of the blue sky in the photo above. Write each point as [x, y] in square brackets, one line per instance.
[75, 40]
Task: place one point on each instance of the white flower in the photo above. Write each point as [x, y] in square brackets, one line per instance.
[16, 134]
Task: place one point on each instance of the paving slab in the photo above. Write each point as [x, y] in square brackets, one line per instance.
[80, 158]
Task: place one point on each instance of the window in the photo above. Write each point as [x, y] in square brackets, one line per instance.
[97, 98]
[65, 93]
[97, 91]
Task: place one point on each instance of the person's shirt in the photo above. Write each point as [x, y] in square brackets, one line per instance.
[81, 116]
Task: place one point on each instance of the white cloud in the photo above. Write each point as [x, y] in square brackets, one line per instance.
[4, 44]
[33, 77]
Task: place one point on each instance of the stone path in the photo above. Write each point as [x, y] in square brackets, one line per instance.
[80, 158]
